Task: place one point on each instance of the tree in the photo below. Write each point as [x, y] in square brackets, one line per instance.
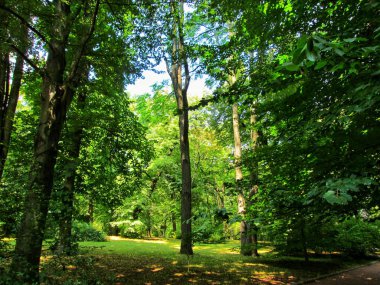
[9, 92]
[56, 97]
[177, 66]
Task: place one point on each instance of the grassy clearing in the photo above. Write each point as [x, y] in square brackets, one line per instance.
[158, 262]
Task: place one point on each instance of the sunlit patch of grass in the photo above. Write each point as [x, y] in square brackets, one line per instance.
[126, 261]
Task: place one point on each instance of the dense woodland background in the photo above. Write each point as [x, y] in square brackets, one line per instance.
[284, 149]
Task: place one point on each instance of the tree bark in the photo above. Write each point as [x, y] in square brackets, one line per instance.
[67, 195]
[174, 223]
[245, 227]
[4, 95]
[178, 68]
[56, 97]
[254, 179]
[9, 105]
[26, 261]
[55, 100]
[91, 210]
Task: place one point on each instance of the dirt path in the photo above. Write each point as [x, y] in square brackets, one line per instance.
[369, 275]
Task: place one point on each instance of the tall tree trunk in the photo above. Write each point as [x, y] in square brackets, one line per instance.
[245, 229]
[9, 106]
[4, 96]
[25, 264]
[179, 66]
[67, 195]
[56, 97]
[254, 180]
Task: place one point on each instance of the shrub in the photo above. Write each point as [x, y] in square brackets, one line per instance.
[86, 232]
[207, 232]
[358, 238]
[130, 229]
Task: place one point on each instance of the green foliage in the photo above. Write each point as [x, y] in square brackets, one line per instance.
[86, 232]
[353, 236]
[337, 190]
[130, 229]
[356, 237]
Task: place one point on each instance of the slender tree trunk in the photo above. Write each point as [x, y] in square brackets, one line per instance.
[245, 228]
[304, 242]
[254, 180]
[9, 106]
[174, 223]
[90, 210]
[178, 68]
[67, 195]
[4, 95]
[186, 241]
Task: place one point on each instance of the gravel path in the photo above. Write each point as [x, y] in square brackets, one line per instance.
[366, 275]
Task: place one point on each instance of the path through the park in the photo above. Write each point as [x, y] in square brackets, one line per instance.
[366, 275]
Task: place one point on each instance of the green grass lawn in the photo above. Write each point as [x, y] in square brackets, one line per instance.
[158, 262]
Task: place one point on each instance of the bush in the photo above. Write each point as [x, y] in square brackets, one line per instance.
[130, 229]
[208, 232]
[358, 238]
[86, 232]
[354, 237]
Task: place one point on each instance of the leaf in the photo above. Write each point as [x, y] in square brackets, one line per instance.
[337, 67]
[333, 198]
[358, 39]
[320, 64]
[299, 55]
[320, 39]
[339, 52]
[310, 55]
[290, 66]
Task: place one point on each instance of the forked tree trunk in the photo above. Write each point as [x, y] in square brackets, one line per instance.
[178, 68]
[26, 261]
[55, 100]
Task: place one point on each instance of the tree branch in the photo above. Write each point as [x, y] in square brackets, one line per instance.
[79, 55]
[28, 60]
[25, 22]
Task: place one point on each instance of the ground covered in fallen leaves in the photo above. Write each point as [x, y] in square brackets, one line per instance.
[121, 261]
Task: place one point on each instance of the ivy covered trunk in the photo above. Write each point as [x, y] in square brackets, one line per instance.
[25, 264]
